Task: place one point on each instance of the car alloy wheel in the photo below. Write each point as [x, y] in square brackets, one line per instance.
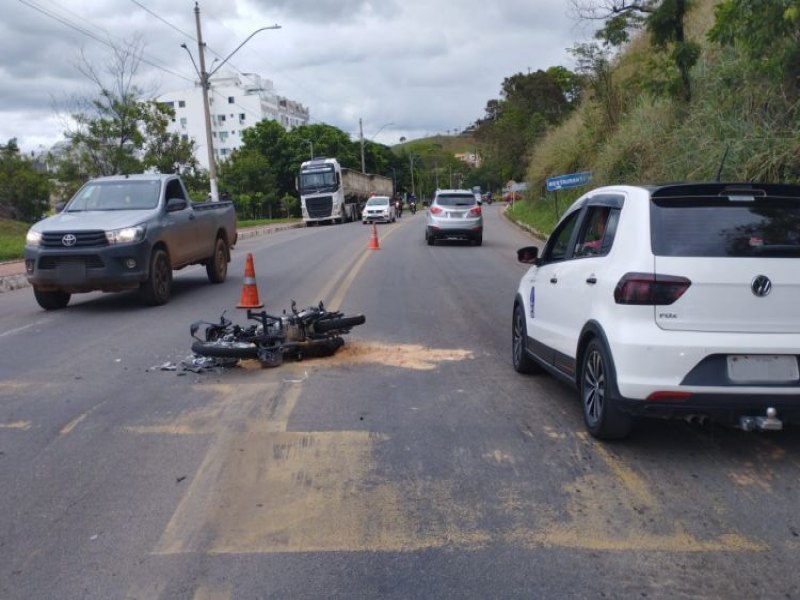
[597, 386]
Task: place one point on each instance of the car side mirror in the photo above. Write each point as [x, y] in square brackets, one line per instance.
[176, 204]
[528, 255]
[60, 206]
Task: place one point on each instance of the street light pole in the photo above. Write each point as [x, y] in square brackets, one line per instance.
[361, 135]
[212, 166]
[205, 85]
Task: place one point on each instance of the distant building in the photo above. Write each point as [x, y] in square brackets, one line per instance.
[473, 159]
[236, 101]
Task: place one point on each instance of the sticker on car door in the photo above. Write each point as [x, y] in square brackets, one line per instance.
[532, 302]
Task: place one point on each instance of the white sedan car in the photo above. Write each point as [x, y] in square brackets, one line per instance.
[379, 209]
[672, 301]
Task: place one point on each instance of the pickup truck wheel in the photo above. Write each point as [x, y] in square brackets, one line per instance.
[158, 287]
[217, 267]
[51, 300]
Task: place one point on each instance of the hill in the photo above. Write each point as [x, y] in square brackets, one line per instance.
[635, 131]
[437, 144]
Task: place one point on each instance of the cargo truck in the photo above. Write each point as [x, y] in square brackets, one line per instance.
[332, 193]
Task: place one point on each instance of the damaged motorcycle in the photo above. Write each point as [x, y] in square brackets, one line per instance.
[310, 332]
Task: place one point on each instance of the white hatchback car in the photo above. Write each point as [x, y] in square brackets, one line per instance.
[672, 301]
[379, 209]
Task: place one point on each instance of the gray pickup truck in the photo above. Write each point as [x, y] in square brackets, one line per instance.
[126, 232]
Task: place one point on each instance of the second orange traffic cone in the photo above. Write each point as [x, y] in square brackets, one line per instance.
[249, 288]
[373, 239]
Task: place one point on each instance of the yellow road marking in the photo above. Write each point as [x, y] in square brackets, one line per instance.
[23, 425]
[632, 482]
[348, 274]
[638, 541]
[208, 593]
[74, 423]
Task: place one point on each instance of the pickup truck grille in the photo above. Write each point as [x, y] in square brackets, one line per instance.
[319, 207]
[89, 261]
[83, 239]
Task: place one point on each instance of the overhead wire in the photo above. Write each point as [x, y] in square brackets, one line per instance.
[60, 18]
[215, 93]
[268, 63]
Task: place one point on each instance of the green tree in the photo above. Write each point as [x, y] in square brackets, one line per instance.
[118, 130]
[24, 192]
[663, 19]
[529, 105]
[250, 179]
[165, 151]
[767, 30]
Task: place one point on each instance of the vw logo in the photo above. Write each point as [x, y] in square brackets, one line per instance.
[69, 240]
[761, 285]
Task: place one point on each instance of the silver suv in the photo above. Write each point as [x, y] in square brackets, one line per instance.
[454, 214]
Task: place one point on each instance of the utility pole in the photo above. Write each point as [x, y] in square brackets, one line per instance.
[205, 85]
[361, 135]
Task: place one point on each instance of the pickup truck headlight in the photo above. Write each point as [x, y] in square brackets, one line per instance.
[125, 235]
[33, 238]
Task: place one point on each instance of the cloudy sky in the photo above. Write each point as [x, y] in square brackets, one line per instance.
[405, 67]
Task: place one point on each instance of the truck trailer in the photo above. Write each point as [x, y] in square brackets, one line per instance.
[329, 192]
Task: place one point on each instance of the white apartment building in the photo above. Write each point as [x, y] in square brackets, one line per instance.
[236, 102]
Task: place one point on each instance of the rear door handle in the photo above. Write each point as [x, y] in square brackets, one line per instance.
[592, 280]
[554, 279]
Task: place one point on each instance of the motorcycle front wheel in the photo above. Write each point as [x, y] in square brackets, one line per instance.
[326, 325]
[222, 349]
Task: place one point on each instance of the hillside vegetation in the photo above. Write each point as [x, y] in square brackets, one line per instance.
[631, 131]
[444, 144]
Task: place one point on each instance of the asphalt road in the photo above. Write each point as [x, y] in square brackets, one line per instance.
[413, 464]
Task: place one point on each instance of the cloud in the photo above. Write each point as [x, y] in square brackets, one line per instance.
[426, 66]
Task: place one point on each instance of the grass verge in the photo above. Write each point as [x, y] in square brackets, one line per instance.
[241, 224]
[12, 239]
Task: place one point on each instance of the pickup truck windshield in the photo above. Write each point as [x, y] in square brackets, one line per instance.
[317, 179]
[116, 195]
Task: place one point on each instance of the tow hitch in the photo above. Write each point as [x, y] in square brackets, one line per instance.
[768, 423]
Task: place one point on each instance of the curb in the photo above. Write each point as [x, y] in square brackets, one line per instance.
[524, 226]
[16, 281]
[13, 282]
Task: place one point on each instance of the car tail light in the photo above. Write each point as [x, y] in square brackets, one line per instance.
[669, 396]
[650, 289]
[435, 210]
[475, 212]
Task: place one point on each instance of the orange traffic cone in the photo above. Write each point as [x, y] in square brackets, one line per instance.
[373, 239]
[249, 287]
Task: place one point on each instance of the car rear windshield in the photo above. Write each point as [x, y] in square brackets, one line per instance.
[455, 199]
[716, 226]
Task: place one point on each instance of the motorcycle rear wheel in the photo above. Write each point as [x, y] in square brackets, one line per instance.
[222, 349]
